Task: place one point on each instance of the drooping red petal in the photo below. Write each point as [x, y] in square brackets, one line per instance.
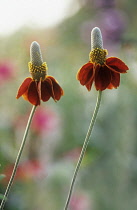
[116, 65]
[32, 94]
[102, 77]
[39, 88]
[110, 86]
[24, 87]
[45, 91]
[25, 95]
[89, 84]
[57, 91]
[85, 73]
[115, 80]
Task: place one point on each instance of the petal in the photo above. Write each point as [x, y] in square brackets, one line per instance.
[57, 91]
[45, 91]
[102, 77]
[116, 65]
[32, 94]
[85, 73]
[25, 95]
[110, 86]
[39, 88]
[24, 87]
[115, 80]
[89, 84]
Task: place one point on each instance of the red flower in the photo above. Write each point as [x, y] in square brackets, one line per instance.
[26, 170]
[6, 70]
[40, 86]
[104, 72]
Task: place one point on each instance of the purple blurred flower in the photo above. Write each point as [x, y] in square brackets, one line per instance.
[112, 23]
[97, 3]
[104, 3]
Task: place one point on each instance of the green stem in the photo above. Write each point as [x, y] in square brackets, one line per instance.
[18, 158]
[86, 141]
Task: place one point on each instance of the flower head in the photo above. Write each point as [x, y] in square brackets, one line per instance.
[30, 169]
[40, 86]
[103, 71]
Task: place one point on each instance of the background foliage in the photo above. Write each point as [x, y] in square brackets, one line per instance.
[108, 176]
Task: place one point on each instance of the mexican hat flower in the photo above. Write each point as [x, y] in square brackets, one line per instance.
[40, 86]
[102, 71]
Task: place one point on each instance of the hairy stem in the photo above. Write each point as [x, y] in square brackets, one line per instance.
[86, 141]
[17, 159]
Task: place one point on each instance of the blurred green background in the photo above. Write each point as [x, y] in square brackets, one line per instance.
[108, 176]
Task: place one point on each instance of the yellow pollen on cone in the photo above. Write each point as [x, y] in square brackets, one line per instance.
[38, 72]
[98, 56]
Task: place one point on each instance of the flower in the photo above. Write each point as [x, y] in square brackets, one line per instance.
[80, 201]
[73, 154]
[41, 86]
[45, 120]
[30, 169]
[104, 3]
[6, 70]
[104, 72]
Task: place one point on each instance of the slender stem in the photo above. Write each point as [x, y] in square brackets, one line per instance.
[17, 159]
[86, 141]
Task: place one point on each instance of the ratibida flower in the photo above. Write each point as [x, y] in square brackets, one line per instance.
[34, 89]
[40, 86]
[102, 71]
